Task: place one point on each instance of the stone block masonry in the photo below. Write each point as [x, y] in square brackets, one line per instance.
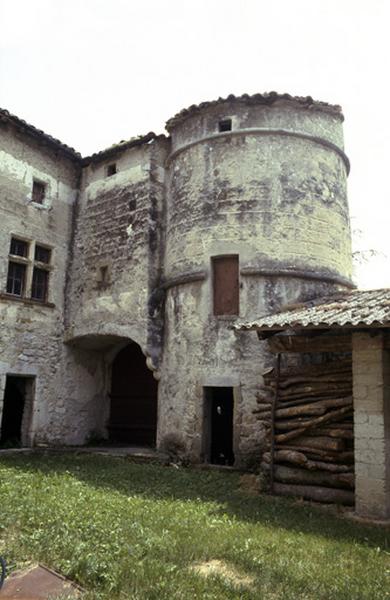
[371, 393]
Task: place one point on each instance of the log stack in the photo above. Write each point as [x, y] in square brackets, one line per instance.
[308, 414]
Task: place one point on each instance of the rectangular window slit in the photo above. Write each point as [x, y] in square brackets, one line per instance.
[111, 170]
[103, 274]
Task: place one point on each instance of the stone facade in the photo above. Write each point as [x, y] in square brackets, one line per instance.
[32, 332]
[277, 200]
[133, 232]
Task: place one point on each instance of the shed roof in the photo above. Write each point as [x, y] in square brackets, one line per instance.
[356, 308]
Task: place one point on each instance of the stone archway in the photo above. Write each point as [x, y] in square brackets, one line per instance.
[133, 399]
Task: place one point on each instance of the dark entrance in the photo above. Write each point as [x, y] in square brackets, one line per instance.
[218, 425]
[133, 411]
[15, 407]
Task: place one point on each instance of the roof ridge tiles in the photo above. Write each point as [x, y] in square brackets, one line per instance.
[267, 98]
[7, 116]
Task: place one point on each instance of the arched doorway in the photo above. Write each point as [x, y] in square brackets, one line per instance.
[133, 409]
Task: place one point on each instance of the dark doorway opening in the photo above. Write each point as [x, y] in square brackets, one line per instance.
[16, 408]
[133, 410]
[218, 425]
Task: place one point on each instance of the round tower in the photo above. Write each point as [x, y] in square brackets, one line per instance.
[257, 218]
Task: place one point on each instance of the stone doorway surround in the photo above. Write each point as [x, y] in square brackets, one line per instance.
[30, 405]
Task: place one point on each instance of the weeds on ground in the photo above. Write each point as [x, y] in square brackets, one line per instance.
[147, 532]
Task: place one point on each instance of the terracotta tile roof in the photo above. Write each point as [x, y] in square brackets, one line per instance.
[266, 99]
[121, 146]
[346, 309]
[5, 116]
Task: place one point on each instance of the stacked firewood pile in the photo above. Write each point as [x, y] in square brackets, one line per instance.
[308, 414]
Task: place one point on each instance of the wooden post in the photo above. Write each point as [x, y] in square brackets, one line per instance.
[273, 412]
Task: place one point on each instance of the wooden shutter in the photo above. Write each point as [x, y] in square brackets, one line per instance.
[226, 285]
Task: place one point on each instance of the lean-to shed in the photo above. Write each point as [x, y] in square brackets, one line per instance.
[355, 322]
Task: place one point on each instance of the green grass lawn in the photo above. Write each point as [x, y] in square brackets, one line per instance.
[141, 531]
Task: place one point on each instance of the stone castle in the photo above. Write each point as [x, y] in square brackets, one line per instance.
[123, 273]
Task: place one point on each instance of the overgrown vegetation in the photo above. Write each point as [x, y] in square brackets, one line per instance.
[143, 531]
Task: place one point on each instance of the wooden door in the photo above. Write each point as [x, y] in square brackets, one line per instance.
[226, 285]
[133, 414]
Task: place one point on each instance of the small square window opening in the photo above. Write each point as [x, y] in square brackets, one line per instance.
[225, 125]
[111, 170]
[38, 192]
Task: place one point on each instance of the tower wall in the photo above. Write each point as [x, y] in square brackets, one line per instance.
[273, 191]
[116, 255]
[115, 271]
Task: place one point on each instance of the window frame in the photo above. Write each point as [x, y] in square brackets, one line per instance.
[31, 267]
[11, 265]
[39, 285]
[21, 242]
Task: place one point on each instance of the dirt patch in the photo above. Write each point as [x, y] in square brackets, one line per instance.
[250, 484]
[227, 572]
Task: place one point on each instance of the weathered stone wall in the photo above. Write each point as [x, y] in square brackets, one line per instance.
[281, 198]
[139, 245]
[371, 396]
[279, 202]
[118, 228]
[31, 333]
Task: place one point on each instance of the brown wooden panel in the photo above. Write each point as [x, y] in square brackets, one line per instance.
[226, 285]
[133, 414]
